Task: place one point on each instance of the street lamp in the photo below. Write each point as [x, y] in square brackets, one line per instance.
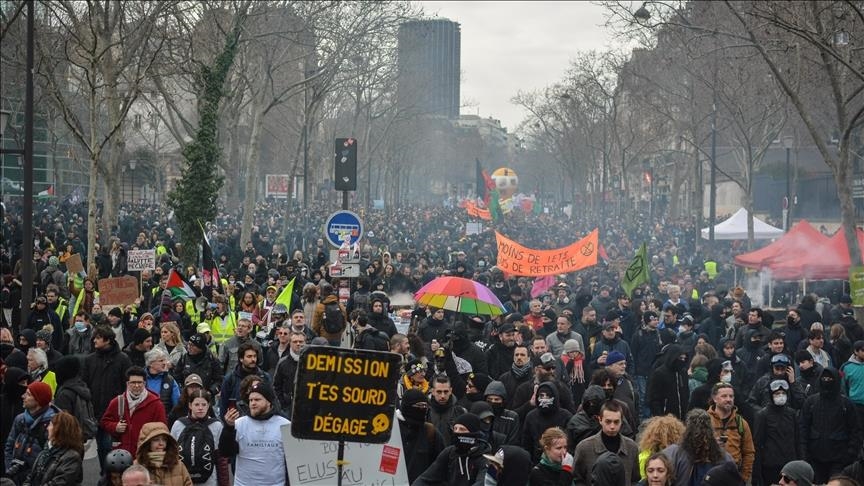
[642, 13]
[788, 142]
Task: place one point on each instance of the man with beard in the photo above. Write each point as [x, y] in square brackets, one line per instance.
[499, 356]
[104, 372]
[731, 429]
[609, 439]
[545, 368]
[442, 407]
[421, 441]
[781, 369]
[462, 463]
[588, 328]
[611, 341]
[283, 382]
[506, 421]
[520, 372]
[247, 366]
[198, 360]
[379, 319]
[830, 435]
[548, 413]
[668, 391]
[229, 352]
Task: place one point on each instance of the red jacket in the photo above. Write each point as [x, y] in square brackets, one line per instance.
[150, 410]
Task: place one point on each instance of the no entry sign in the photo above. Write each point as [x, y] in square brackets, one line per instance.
[345, 395]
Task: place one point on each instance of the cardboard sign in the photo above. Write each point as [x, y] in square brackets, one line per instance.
[137, 260]
[118, 291]
[74, 263]
[345, 394]
[313, 463]
[515, 259]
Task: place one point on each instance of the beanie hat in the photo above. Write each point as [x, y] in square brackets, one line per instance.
[614, 357]
[30, 335]
[496, 388]
[116, 312]
[469, 420]
[411, 397]
[803, 355]
[53, 261]
[44, 335]
[66, 368]
[800, 471]
[140, 335]
[572, 345]
[480, 380]
[41, 392]
[198, 340]
[166, 298]
[725, 474]
[265, 389]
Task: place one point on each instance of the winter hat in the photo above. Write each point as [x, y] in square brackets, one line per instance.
[53, 261]
[496, 388]
[166, 298]
[411, 397]
[140, 335]
[480, 380]
[803, 355]
[116, 312]
[319, 341]
[198, 340]
[469, 420]
[30, 334]
[572, 345]
[614, 357]
[265, 389]
[800, 471]
[726, 474]
[41, 392]
[44, 335]
[482, 410]
[415, 366]
[66, 368]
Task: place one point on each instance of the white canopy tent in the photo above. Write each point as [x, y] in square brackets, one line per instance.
[735, 228]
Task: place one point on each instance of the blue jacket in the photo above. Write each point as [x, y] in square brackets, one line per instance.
[853, 380]
[164, 385]
[29, 435]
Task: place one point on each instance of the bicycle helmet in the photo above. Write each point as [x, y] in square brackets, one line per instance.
[118, 461]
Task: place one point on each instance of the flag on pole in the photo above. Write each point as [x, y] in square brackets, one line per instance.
[178, 286]
[637, 271]
[286, 295]
[208, 265]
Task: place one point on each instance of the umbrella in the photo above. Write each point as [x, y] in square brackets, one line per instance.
[460, 295]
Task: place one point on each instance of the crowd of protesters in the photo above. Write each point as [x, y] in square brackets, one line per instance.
[684, 382]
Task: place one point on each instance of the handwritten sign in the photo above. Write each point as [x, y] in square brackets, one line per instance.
[74, 263]
[118, 291]
[137, 260]
[313, 463]
[345, 394]
[515, 259]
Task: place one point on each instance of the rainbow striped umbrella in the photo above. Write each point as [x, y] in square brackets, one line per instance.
[460, 295]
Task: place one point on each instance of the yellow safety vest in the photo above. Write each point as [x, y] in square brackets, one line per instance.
[222, 329]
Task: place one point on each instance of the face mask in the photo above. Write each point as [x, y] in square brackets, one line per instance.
[546, 403]
[497, 409]
[609, 392]
[414, 414]
[779, 399]
[727, 378]
[80, 326]
[790, 321]
[463, 443]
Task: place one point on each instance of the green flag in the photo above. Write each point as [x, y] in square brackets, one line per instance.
[286, 294]
[637, 271]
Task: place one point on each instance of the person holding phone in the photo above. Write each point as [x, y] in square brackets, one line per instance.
[781, 369]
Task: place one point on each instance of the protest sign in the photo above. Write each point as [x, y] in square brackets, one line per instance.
[313, 463]
[515, 259]
[345, 394]
[137, 260]
[118, 291]
[74, 263]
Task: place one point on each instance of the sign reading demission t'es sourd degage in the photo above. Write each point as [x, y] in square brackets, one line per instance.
[345, 394]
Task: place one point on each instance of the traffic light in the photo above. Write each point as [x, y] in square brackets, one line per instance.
[346, 164]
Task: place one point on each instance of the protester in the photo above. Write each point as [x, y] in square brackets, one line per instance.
[29, 434]
[556, 464]
[463, 462]
[158, 452]
[128, 412]
[61, 463]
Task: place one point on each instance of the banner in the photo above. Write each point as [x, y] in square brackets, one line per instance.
[277, 185]
[515, 259]
[137, 260]
[476, 211]
[118, 291]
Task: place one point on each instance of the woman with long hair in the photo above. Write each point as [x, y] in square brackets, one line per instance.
[556, 464]
[158, 452]
[249, 304]
[660, 432]
[62, 462]
[658, 471]
[208, 468]
[171, 342]
[309, 300]
[698, 450]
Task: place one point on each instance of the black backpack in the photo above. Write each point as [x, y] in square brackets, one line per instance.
[197, 448]
[86, 418]
[334, 319]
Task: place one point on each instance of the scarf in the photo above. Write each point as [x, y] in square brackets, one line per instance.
[577, 372]
[556, 466]
[520, 372]
[295, 357]
[132, 402]
[156, 458]
[408, 384]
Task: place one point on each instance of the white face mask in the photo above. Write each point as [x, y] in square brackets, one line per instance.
[727, 378]
[779, 399]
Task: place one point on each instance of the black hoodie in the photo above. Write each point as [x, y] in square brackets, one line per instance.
[541, 418]
[67, 370]
[668, 391]
[829, 429]
[608, 471]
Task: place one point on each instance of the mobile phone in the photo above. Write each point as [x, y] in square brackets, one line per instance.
[232, 404]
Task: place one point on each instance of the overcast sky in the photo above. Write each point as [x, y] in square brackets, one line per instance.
[511, 46]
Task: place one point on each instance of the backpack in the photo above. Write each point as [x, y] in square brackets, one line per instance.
[197, 448]
[334, 319]
[86, 418]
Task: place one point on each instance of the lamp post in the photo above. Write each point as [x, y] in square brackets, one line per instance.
[787, 209]
[132, 164]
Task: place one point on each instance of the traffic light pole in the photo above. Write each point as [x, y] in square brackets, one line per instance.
[345, 200]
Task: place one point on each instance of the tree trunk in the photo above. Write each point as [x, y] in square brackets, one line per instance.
[251, 181]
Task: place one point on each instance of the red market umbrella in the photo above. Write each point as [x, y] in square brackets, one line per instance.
[460, 295]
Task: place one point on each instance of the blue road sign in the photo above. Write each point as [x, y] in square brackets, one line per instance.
[341, 225]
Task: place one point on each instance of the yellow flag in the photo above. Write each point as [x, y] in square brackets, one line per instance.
[286, 295]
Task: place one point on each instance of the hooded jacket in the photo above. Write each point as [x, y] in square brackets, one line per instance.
[610, 470]
[668, 391]
[172, 472]
[829, 429]
[453, 469]
[775, 435]
[541, 418]
[69, 384]
[584, 424]
[853, 380]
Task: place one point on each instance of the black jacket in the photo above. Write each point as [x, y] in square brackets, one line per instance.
[104, 372]
[422, 445]
[775, 435]
[646, 346]
[382, 322]
[451, 469]
[829, 427]
[499, 359]
[204, 365]
[668, 391]
[540, 419]
[283, 382]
